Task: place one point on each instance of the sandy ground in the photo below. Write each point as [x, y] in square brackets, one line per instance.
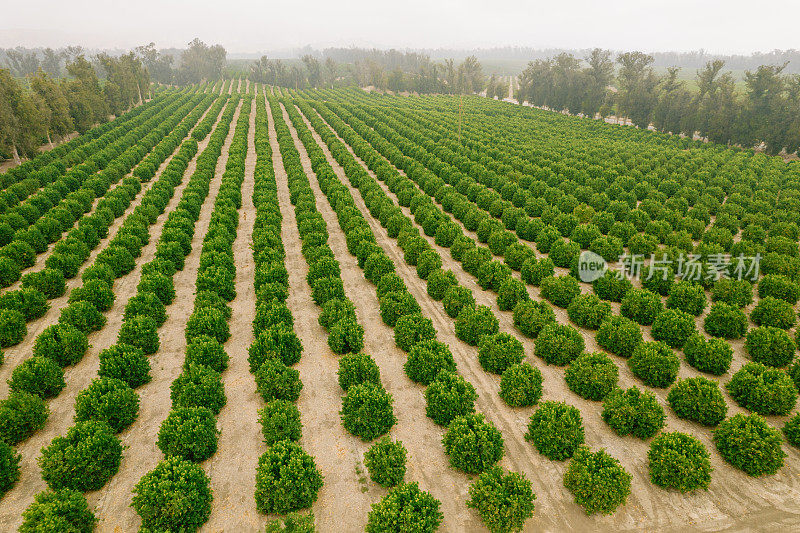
[232, 468]
[336, 452]
[733, 501]
[79, 376]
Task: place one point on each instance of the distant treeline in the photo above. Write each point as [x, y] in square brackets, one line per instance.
[382, 69]
[197, 62]
[46, 94]
[685, 60]
[40, 107]
[767, 110]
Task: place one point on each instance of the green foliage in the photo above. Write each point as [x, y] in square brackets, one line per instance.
[779, 287]
[357, 368]
[346, 336]
[428, 262]
[367, 411]
[275, 380]
[206, 351]
[279, 342]
[160, 285]
[633, 412]
[142, 332]
[83, 460]
[210, 322]
[456, 299]
[386, 462]
[405, 508]
[558, 344]
[531, 316]
[472, 443]
[439, 281]
[655, 364]
[673, 327]
[12, 328]
[619, 335]
[397, 304]
[280, 420]
[125, 362]
[612, 286]
[412, 329]
[588, 311]
[63, 343]
[792, 430]
[108, 400]
[499, 351]
[773, 312]
[560, 290]
[726, 321]
[763, 390]
[592, 376]
[38, 375]
[335, 310]
[190, 433]
[556, 430]
[521, 385]
[698, 399]
[749, 443]
[96, 292]
[9, 467]
[713, 356]
[770, 346]
[146, 304]
[534, 271]
[597, 481]
[63, 510]
[174, 496]
[48, 281]
[738, 293]
[503, 501]
[641, 306]
[679, 461]
[426, 359]
[83, 316]
[449, 396]
[198, 386]
[286, 479]
[21, 415]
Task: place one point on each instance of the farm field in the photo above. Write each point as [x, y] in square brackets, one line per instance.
[237, 304]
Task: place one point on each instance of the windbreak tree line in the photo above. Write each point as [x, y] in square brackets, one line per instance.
[766, 111]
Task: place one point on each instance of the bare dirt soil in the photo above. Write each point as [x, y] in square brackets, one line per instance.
[232, 469]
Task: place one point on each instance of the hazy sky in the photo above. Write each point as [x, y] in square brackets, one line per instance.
[738, 26]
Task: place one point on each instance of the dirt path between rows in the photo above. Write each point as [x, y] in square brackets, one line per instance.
[78, 377]
[232, 468]
[732, 495]
[20, 352]
[113, 501]
[341, 504]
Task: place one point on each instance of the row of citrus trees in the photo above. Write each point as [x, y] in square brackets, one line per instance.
[473, 444]
[687, 399]
[30, 227]
[543, 315]
[761, 386]
[89, 455]
[70, 252]
[286, 477]
[176, 494]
